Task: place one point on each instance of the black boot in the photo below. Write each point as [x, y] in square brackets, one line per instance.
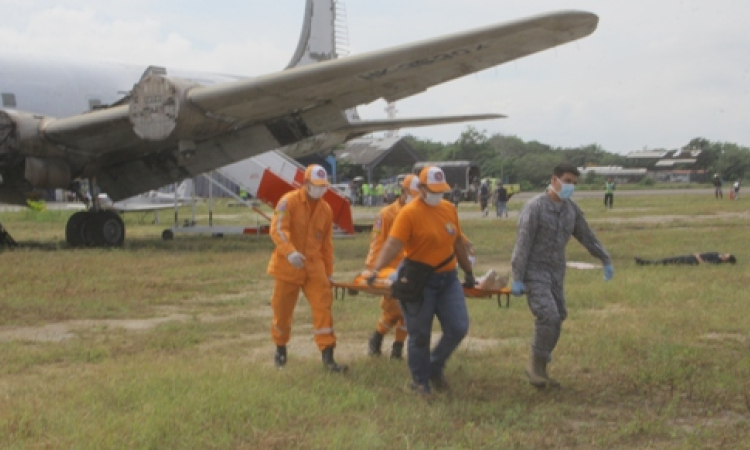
[397, 352]
[279, 359]
[374, 344]
[330, 364]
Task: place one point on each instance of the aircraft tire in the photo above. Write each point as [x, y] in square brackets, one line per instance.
[74, 229]
[107, 229]
[167, 235]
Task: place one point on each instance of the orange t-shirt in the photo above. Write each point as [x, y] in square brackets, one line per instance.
[428, 232]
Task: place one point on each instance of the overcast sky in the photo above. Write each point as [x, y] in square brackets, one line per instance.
[655, 74]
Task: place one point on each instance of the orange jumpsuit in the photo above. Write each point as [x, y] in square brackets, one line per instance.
[305, 225]
[392, 315]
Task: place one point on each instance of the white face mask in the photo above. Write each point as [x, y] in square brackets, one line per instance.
[432, 198]
[316, 191]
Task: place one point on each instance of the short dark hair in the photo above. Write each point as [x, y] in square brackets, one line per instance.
[565, 167]
[732, 259]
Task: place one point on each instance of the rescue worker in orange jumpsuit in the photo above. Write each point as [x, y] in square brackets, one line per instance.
[392, 315]
[429, 231]
[302, 230]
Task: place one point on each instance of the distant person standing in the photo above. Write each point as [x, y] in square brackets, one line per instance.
[302, 231]
[545, 226]
[737, 190]
[484, 197]
[456, 195]
[379, 191]
[609, 192]
[501, 199]
[717, 186]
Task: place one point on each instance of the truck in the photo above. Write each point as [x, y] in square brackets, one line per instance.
[493, 182]
[465, 174]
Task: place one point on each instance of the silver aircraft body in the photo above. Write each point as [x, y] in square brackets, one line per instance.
[130, 129]
[152, 200]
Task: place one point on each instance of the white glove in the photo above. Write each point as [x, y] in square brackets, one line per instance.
[296, 259]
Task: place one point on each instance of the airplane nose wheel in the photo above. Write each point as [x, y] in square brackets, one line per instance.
[95, 229]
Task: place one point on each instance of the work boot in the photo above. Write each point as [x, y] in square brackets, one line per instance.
[397, 352]
[536, 371]
[279, 359]
[422, 390]
[330, 364]
[374, 344]
[439, 383]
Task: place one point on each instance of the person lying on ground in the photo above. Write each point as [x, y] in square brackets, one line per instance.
[691, 260]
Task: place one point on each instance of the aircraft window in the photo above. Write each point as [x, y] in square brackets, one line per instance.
[94, 103]
[9, 100]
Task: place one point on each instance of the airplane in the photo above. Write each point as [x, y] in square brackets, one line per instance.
[153, 127]
[151, 200]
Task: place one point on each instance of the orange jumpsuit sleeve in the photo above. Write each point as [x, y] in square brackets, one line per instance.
[280, 228]
[377, 238]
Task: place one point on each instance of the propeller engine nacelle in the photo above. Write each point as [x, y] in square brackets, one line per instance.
[160, 109]
[21, 141]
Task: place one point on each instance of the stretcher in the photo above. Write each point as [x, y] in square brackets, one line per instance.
[340, 289]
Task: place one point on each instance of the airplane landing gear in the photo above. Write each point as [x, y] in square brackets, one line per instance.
[95, 229]
[6, 241]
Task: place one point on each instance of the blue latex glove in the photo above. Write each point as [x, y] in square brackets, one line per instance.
[518, 288]
[609, 272]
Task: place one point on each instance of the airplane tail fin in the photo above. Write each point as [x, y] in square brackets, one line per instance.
[324, 36]
[186, 189]
[317, 41]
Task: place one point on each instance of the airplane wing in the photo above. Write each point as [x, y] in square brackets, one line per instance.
[141, 207]
[172, 129]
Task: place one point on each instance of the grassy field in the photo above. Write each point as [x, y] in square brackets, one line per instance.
[166, 344]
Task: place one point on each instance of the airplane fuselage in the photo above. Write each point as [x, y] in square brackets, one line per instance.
[62, 88]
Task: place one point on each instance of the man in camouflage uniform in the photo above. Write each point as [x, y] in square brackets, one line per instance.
[544, 227]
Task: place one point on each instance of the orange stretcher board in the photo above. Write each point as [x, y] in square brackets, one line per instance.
[340, 290]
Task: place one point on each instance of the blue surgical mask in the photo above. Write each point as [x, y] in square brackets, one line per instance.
[566, 189]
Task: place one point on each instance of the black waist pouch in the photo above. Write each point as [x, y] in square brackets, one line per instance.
[411, 280]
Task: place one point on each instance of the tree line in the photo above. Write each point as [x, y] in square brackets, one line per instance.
[531, 162]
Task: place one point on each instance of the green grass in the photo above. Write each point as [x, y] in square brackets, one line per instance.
[166, 344]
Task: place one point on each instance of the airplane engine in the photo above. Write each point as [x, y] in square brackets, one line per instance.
[47, 173]
[21, 135]
[160, 109]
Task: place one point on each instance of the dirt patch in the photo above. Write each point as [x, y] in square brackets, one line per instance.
[724, 337]
[668, 218]
[608, 310]
[62, 331]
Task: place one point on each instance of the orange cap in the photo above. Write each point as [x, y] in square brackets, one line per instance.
[433, 179]
[411, 184]
[316, 175]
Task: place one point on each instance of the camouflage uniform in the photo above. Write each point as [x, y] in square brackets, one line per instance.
[544, 228]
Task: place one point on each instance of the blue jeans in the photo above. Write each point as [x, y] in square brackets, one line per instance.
[444, 298]
[502, 207]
